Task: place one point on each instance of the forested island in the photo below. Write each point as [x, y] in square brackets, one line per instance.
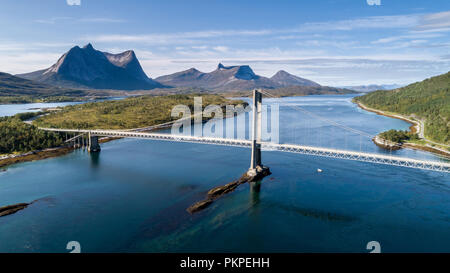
[398, 136]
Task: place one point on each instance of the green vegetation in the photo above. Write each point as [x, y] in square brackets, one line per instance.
[17, 136]
[133, 112]
[399, 136]
[429, 100]
[16, 99]
[35, 99]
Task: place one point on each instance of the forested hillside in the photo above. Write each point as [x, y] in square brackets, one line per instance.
[17, 136]
[428, 100]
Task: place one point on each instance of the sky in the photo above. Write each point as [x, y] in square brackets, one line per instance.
[333, 42]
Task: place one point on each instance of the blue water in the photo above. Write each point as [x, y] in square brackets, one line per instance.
[12, 109]
[132, 196]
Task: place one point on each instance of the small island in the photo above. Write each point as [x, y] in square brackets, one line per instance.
[394, 139]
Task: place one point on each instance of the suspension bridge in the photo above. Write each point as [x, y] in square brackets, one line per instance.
[90, 139]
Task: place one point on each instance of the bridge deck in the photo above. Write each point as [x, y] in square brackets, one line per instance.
[292, 148]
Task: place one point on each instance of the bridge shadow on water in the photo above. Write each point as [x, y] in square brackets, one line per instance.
[255, 190]
[95, 159]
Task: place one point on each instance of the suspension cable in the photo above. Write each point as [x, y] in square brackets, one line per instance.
[332, 122]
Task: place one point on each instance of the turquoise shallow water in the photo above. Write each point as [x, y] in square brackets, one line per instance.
[133, 195]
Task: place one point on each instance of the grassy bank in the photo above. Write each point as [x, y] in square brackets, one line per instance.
[133, 112]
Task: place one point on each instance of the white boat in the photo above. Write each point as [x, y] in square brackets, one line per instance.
[319, 170]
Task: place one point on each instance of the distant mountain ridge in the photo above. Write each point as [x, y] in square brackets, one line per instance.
[232, 78]
[373, 87]
[87, 67]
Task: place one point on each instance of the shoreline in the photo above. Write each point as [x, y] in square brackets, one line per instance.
[414, 128]
[11, 159]
[63, 150]
[41, 154]
[35, 155]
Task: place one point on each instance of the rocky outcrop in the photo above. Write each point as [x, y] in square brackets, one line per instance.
[34, 155]
[386, 144]
[220, 191]
[11, 209]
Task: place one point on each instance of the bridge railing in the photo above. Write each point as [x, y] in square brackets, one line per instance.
[292, 148]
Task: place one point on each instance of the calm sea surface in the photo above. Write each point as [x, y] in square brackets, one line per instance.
[132, 196]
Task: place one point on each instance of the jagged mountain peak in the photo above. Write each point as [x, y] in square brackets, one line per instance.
[121, 59]
[88, 67]
[243, 72]
[220, 66]
[88, 47]
[239, 77]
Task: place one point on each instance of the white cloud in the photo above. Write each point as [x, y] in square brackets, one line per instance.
[435, 22]
[414, 35]
[52, 20]
[380, 22]
[328, 52]
[101, 20]
[26, 62]
[221, 48]
[203, 47]
[173, 38]
[73, 2]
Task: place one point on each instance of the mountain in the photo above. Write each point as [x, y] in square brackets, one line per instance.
[372, 87]
[224, 78]
[285, 79]
[15, 86]
[188, 78]
[427, 100]
[232, 78]
[89, 68]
